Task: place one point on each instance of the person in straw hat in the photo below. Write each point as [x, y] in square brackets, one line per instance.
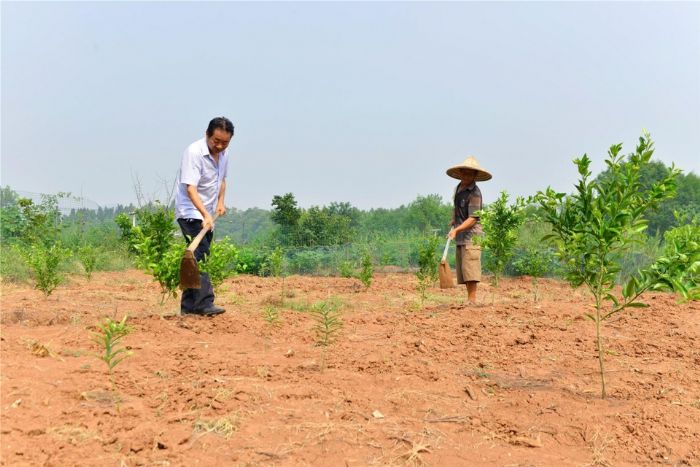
[465, 224]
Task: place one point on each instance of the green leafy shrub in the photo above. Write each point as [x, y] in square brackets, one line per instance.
[88, 258]
[221, 262]
[346, 269]
[428, 262]
[500, 223]
[307, 261]
[596, 225]
[534, 262]
[163, 266]
[275, 262]
[252, 260]
[681, 265]
[367, 270]
[44, 263]
[12, 270]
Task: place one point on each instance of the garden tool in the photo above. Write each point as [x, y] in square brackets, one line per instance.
[189, 269]
[444, 270]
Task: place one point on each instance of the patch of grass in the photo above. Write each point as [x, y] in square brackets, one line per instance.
[272, 315]
[224, 426]
[72, 434]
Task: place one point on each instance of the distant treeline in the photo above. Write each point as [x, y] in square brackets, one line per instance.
[339, 223]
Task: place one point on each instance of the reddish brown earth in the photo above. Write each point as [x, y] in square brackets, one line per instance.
[509, 383]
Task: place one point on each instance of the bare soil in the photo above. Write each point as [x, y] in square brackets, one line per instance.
[508, 382]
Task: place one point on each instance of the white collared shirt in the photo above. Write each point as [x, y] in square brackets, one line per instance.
[199, 169]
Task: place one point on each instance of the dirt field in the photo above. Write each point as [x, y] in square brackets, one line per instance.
[507, 383]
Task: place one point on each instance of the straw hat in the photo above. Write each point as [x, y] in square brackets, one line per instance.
[472, 164]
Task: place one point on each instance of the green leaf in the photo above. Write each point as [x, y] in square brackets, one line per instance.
[612, 298]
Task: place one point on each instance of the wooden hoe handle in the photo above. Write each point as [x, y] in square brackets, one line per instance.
[195, 242]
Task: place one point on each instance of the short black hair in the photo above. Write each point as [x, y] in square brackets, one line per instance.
[222, 123]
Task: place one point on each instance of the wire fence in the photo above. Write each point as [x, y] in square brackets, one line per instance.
[66, 204]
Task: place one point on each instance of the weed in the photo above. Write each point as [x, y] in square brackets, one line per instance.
[224, 426]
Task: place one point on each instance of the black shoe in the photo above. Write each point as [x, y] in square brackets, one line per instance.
[211, 310]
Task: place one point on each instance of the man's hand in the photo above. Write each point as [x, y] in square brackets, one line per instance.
[220, 209]
[452, 234]
[207, 222]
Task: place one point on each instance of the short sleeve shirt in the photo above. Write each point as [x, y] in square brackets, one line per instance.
[466, 204]
[198, 168]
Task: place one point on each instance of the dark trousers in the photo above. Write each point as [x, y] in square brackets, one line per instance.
[197, 299]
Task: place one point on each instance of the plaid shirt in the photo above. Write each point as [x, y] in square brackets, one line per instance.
[466, 203]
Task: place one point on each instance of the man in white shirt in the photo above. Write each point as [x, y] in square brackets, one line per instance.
[200, 195]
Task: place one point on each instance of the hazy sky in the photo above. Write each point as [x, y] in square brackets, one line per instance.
[362, 102]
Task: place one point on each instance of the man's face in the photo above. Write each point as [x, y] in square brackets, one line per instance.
[467, 175]
[218, 141]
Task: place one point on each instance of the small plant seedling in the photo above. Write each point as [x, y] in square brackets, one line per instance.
[275, 262]
[428, 262]
[328, 321]
[88, 258]
[346, 269]
[367, 270]
[271, 315]
[109, 337]
[534, 263]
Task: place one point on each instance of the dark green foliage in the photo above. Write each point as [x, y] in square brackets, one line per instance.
[286, 215]
[252, 259]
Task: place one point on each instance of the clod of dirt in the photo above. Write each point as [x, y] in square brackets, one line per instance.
[377, 414]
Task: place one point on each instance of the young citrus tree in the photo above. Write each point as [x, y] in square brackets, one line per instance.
[500, 223]
[594, 227]
[221, 261]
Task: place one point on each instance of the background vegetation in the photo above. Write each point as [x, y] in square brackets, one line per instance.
[336, 239]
